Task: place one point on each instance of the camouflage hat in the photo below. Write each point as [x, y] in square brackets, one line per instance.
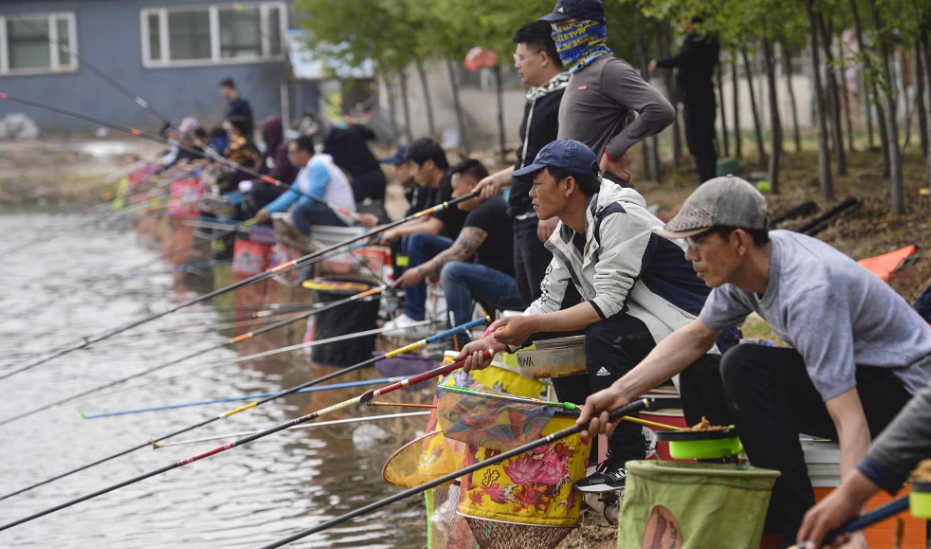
[723, 201]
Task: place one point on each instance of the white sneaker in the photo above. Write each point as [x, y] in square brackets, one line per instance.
[405, 326]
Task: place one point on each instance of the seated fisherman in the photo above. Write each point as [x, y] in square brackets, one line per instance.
[319, 177]
[423, 239]
[240, 150]
[635, 285]
[487, 237]
[275, 164]
[859, 351]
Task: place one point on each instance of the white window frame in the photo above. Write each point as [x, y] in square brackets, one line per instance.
[214, 13]
[54, 49]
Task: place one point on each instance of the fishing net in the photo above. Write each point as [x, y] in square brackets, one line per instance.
[487, 419]
[502, 535]
[446, 529]
[425, 458]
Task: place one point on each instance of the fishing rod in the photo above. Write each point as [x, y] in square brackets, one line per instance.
[361, 419]
[241, 397]
[879, 514]
[361, 399]
[631, 408]
[308, 259]
[151, 442]
[232, 341]
[199, 152]
[187, 268]
[256, 356]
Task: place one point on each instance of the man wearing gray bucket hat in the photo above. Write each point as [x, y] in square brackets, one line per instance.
[636, 286]
[860, 351]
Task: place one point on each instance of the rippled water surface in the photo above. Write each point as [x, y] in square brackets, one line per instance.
[245, 497]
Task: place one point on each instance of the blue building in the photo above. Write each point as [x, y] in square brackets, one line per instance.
[172, 53]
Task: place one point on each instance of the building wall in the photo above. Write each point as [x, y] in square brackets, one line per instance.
[109, 36]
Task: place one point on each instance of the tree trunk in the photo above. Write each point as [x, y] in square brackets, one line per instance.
[908, 108]
[499, 92]
[649, 157]
[670, 85]
[727, 148]
[895, 157]
[926, 57]
[457, 105]
[392, 107]
[824, 156]
[837, 135]
[770, 62]
[757, 127]
[920, 98]
[738, 150]
[408, 132]
[431, 129]
[787, 67]
[845, 100]
[872, 94]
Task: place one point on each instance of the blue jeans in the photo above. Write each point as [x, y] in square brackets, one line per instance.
[420, 248]
[463, 282]
[313, 213]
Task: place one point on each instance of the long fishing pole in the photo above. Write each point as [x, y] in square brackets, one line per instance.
[308, 259]
[879, 514]
[362, 399]
[256, 356]
[151, 442]
[631, 408]
[227, 343]
[287, 266]
[236, 398]
[361, 419]
[201, 153]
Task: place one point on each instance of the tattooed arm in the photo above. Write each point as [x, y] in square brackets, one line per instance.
[463, 249]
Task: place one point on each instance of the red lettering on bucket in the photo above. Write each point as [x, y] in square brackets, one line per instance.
[662, 530]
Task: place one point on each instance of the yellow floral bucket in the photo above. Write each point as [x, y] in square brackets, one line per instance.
[534, 488]
[498, 376]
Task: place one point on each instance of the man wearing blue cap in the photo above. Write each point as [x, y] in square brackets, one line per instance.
[636, 286]
[603, 91]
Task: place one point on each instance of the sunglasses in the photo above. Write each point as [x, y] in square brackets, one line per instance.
[692, 241]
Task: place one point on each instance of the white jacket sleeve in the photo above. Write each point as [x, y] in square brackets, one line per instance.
[553, 288]
[623, 245]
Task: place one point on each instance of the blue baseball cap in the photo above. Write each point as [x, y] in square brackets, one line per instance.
[566, 154]
[580, 9]
[398, 157]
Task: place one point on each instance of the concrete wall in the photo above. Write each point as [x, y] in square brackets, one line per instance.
[109, 36]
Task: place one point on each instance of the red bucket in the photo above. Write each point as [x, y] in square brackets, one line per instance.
[185, 197]
[251, 258]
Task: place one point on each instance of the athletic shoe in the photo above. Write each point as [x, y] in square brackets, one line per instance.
[405, 326]
[610, 476]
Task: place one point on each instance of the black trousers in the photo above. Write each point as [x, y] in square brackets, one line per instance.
[612, 348]
[767, 393]
[531, 259]
[369, 185]
[699, 136]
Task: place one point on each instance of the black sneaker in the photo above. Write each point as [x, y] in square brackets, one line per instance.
[610, 476]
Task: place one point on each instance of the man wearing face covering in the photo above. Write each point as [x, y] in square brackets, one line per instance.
[603, 91]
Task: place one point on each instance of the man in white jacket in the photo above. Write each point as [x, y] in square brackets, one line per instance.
[636, 286]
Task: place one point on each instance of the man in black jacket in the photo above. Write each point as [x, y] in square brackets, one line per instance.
[539, 67]
[696, 62]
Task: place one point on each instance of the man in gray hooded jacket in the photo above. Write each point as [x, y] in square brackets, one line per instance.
[636, 286]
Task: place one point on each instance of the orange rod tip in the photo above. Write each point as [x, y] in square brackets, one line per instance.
[134, 131]
[4, 96]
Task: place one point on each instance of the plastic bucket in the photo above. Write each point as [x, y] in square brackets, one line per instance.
[352, 317]
[678, 505]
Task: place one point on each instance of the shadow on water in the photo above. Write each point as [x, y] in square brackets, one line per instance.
[245, 497]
